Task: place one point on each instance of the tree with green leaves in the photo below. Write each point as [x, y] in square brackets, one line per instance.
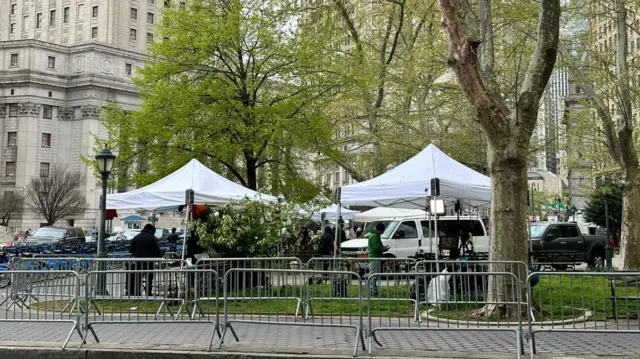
[612, 194]
[601, 63]
[234, 85]
[389, 57]
[505, 104]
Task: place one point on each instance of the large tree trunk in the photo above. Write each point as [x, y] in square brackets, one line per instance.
[508, 227]
[630, 237]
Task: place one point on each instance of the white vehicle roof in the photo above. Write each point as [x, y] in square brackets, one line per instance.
[426, 217]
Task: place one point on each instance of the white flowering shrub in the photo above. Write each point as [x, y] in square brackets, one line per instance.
[253, 229]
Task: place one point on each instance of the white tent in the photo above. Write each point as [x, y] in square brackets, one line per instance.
[208, 186]
[408, 185]
[331, 213]
[386, 212]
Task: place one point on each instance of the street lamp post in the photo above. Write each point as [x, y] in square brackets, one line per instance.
[104, 159]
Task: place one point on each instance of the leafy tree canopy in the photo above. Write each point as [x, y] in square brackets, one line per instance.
[595, 211]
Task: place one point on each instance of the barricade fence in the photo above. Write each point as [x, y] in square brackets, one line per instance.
[250, 299]
[423, 301]
[351, 293]
[583, 302]
[142, 296]
[42, 296]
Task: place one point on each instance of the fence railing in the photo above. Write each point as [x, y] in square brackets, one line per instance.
[458, 300]
[252, 300]
[37, 296]
[140, 297]
[417, 298]
[583, 302]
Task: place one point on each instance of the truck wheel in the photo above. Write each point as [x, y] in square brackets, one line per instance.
[597, 260]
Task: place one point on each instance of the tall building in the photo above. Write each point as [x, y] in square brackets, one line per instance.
[60, 62]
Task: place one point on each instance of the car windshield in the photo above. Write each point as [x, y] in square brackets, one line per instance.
[49, 232]
[389, 227]
[537, 230]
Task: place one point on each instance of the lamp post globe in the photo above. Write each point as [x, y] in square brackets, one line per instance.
[105, 159]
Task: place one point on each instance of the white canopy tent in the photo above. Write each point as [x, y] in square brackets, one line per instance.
[386, 212]
[208, 186]
[331, 213]
[409, 184]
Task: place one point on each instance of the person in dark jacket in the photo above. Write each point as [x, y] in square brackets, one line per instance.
[173, 238]
[143, 245]
[326, 246]
[193, 248]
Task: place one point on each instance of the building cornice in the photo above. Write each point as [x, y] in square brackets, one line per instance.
[71, 49]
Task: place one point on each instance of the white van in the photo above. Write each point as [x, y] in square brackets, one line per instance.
[402, 235]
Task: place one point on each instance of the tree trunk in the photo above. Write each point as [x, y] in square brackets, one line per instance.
[252, 172]
[509, 220]
[630, 237]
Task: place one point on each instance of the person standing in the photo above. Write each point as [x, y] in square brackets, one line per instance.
[376, 250]
[173, 238]
[143, 245]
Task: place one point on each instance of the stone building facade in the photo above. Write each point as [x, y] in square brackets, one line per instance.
[61, 61]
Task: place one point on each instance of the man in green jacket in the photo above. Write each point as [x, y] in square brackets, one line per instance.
[376, 249]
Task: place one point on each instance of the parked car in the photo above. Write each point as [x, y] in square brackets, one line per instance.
[130, 233]
[406, 235]
[44, 235]
[547, 237]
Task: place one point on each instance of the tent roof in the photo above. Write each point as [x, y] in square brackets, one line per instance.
[386, 212]
[132, 218]
[409, 184]
[331, 213]
[208, 186]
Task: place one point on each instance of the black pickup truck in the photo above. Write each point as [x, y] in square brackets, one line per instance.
[564, 243]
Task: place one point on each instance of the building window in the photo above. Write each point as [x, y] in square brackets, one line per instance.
[127, 69]
[94, 32]
[95, 11]
[150, 18]
[151, 2]
[167, 3]
[13, 8]
[134, 14]
[183, 5]
[65, 15]
[25, 23]
[13, 110]
[12, 28]
[14, 59]
[149, 37]
[133, 34]
[80, 10]
[12, 139]
[46, 140]
[52, 18]
[51, 62]
[46, 111]
[44, 169]
[10, 169]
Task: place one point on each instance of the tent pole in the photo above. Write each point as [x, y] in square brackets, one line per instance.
[338, 231]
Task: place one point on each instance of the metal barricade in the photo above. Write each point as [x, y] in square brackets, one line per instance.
[250, 299]
[56, 289]
[205, 295]
[460, 302]
[588, 303]
[362, 266]
[142, 301]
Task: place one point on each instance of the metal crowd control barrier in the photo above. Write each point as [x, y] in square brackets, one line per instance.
[56, 290]
[142, 303]
[209, 291]
[248, 300]
[449, 293]
[583, 302]
[364, 267]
